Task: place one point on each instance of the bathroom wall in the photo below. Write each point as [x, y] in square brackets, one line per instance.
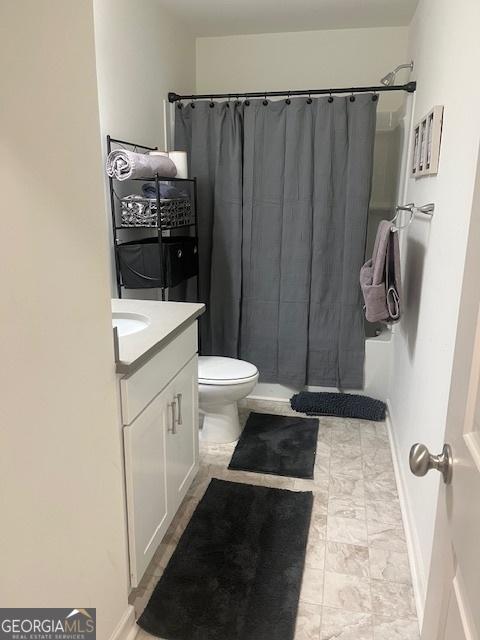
[444, 44]
[142, 53]
[302, 60]
[63, 539]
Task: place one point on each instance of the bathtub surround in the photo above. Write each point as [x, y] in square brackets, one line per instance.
[237, 569]
[280, 445]
[376, 374]
[283, 192]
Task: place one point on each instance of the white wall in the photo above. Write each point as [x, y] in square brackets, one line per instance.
[62, 540]
[142, 53]
[302, 60]
[444, 44]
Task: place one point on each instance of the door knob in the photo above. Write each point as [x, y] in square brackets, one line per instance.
[421, 461]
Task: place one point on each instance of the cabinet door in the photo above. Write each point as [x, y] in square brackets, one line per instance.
[145, 473]
[182, 433]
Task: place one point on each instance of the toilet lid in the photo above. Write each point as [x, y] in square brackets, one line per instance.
[218, 370]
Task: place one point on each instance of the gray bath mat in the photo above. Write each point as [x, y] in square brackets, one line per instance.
[343, 405]
[237, 571]
[278, 445]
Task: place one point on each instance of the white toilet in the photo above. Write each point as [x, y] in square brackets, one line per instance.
[222, 382]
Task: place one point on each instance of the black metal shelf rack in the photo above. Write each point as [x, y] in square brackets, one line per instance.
[159, 228]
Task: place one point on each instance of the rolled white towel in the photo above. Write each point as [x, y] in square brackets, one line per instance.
[124, 165]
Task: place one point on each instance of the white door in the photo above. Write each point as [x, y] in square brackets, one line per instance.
[453, 600]
[146, 487]
[182, 433]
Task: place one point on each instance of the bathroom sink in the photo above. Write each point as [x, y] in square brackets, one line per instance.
[128, 323]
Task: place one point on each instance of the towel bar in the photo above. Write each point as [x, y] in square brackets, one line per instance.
[428, 209]
[413, 210]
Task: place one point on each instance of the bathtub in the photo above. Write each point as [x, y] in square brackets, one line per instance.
[377, 374]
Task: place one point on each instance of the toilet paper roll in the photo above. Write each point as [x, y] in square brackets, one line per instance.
[179, 158]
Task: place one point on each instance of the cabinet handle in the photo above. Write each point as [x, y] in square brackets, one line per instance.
[179, 402]
[173, 428]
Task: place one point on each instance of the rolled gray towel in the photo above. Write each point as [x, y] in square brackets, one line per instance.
[149, 190]
[125, 165]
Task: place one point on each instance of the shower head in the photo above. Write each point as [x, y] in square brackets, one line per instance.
[389, 79]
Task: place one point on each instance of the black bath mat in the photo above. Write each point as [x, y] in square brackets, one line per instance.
[237, 571]
[280, 445]
[343, 405]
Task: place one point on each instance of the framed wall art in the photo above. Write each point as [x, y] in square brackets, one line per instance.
[427, 137]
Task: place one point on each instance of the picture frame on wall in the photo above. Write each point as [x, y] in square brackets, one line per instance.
[427, 135]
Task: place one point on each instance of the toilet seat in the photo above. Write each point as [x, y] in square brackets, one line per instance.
[217, 370]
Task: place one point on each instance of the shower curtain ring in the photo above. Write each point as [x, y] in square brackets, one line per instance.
[212, 104]
[265, 102]
[375, 96]
[247, 101]
[192, 104]
[309, 99]
[330, 97]
[288, 101]
[352, 98]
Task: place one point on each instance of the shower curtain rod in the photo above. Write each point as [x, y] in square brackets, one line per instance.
[409, 87]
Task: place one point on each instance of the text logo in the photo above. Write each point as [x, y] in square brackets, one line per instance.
[47, 624]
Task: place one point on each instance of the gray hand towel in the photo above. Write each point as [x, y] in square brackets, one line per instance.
[380, 277]
[124, 165]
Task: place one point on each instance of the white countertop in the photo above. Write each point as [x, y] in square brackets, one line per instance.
[166, 321]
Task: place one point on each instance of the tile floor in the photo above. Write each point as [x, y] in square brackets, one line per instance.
[356, 583]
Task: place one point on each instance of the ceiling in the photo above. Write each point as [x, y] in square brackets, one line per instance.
[228, 17]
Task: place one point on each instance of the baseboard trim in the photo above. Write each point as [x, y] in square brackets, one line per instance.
[126, 629]
[413, 546]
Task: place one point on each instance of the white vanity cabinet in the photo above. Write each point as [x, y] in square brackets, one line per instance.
[181, 439]
[146, 485]
[160, 416]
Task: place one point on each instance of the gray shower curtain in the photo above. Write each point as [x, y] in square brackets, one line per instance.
[283, 203]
